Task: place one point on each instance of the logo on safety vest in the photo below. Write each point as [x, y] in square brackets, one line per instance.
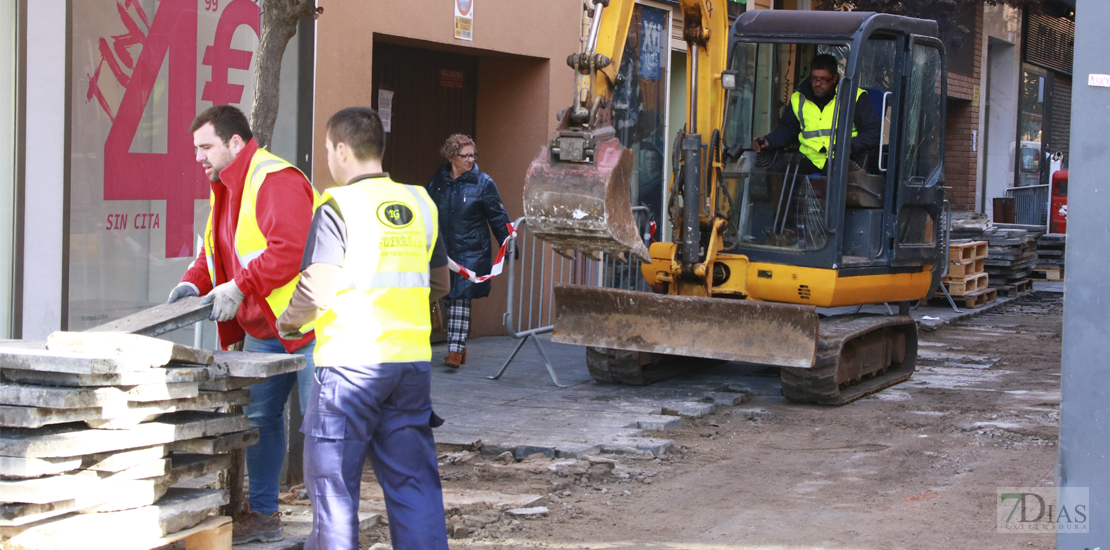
[395, 214]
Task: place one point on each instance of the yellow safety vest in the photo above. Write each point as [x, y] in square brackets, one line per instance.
[380, 314]
[250, 243]
[815, 138]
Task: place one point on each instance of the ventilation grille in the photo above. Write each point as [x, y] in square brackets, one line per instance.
[803, 292]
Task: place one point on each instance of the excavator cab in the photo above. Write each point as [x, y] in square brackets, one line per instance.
[873, 210]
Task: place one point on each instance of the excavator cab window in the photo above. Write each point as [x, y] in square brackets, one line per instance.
[776, 198]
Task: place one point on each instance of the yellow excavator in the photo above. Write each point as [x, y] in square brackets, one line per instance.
[758, 244]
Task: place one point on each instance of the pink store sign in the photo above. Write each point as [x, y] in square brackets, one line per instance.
[141, 71]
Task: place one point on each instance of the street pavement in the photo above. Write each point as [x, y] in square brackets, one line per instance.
[525, 412]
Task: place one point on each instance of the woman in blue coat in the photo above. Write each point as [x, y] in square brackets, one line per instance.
[468, 203]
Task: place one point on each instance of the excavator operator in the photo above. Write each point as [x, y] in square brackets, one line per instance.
[809, 120]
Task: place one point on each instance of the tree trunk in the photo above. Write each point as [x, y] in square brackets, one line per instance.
[279, 24]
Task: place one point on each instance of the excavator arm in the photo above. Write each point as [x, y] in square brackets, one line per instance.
[577, 191]
[577, 194]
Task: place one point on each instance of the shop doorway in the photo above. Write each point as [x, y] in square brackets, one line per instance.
[434, 94]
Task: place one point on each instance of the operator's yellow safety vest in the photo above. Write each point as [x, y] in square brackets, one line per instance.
[380, 314]
[815, 138]
[250, 243]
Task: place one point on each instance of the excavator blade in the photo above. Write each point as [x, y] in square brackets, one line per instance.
[584, 206]
[783, 335]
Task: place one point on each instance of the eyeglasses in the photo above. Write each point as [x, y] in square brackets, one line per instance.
[468, 156]
[822, 79]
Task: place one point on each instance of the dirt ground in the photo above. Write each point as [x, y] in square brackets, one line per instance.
[915, 466]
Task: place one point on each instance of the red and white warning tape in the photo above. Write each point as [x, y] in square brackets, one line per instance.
[498, 262]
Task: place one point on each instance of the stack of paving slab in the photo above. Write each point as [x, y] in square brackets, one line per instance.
[1050, 256]
[97, 430]
[1011, 259]
[1011, 254]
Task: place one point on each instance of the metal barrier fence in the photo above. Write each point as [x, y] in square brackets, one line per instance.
[1031, 204]
[533, 269]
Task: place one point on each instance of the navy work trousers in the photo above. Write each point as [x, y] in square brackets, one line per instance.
[266, 412]
[381, 411]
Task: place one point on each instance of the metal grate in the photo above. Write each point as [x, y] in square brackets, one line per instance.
[533, 269]
[1030, 204]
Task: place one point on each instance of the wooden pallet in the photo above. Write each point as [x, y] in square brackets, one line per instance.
[1051, 273]
[1016, 288]
[961, 270]
[974, 300]
[966, 285]
[967, 252]
[213, 533]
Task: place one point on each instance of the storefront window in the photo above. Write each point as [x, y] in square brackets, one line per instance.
[1030, 127]
[141, 71]
[639, 103]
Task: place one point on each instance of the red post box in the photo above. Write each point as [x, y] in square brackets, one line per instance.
[1058, 217]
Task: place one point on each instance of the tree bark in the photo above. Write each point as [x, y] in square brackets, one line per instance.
[279, 25]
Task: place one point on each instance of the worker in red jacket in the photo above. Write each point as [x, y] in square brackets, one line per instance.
[262, 207]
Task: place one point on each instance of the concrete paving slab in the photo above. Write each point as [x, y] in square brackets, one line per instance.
[73, 440]
[122, 460]
[178, 509]
[116, 418]
[216, 445]
[23, 467]
[69, 362]
[167, 375]
[160, 319]
[36, 417]
[229, 383]
[152, 350]
[241, 364]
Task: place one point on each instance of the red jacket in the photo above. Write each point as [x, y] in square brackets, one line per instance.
[284, 211]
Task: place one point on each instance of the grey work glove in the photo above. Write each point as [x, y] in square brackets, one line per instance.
[183, 290]
[294, 335]
[225, 300]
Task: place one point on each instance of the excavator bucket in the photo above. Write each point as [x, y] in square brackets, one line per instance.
[783, 335]
[584, 206]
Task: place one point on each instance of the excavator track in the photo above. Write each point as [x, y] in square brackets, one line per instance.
[857, 355]
[639, 368]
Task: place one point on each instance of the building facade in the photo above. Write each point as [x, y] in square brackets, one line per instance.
[106, 202]
[104, 197]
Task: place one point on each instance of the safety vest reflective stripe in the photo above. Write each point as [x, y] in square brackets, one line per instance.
[249, 242]
[245, 260]
[810, 134]
[399, 279]
[381, 315]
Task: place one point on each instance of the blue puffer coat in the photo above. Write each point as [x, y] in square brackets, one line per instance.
[467, 206]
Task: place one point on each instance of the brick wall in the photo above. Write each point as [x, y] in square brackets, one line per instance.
[960, 168]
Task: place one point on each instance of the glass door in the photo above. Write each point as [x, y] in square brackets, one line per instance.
[920, 155]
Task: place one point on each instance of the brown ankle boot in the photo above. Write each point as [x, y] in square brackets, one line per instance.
[464, 356]
[454, 359]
